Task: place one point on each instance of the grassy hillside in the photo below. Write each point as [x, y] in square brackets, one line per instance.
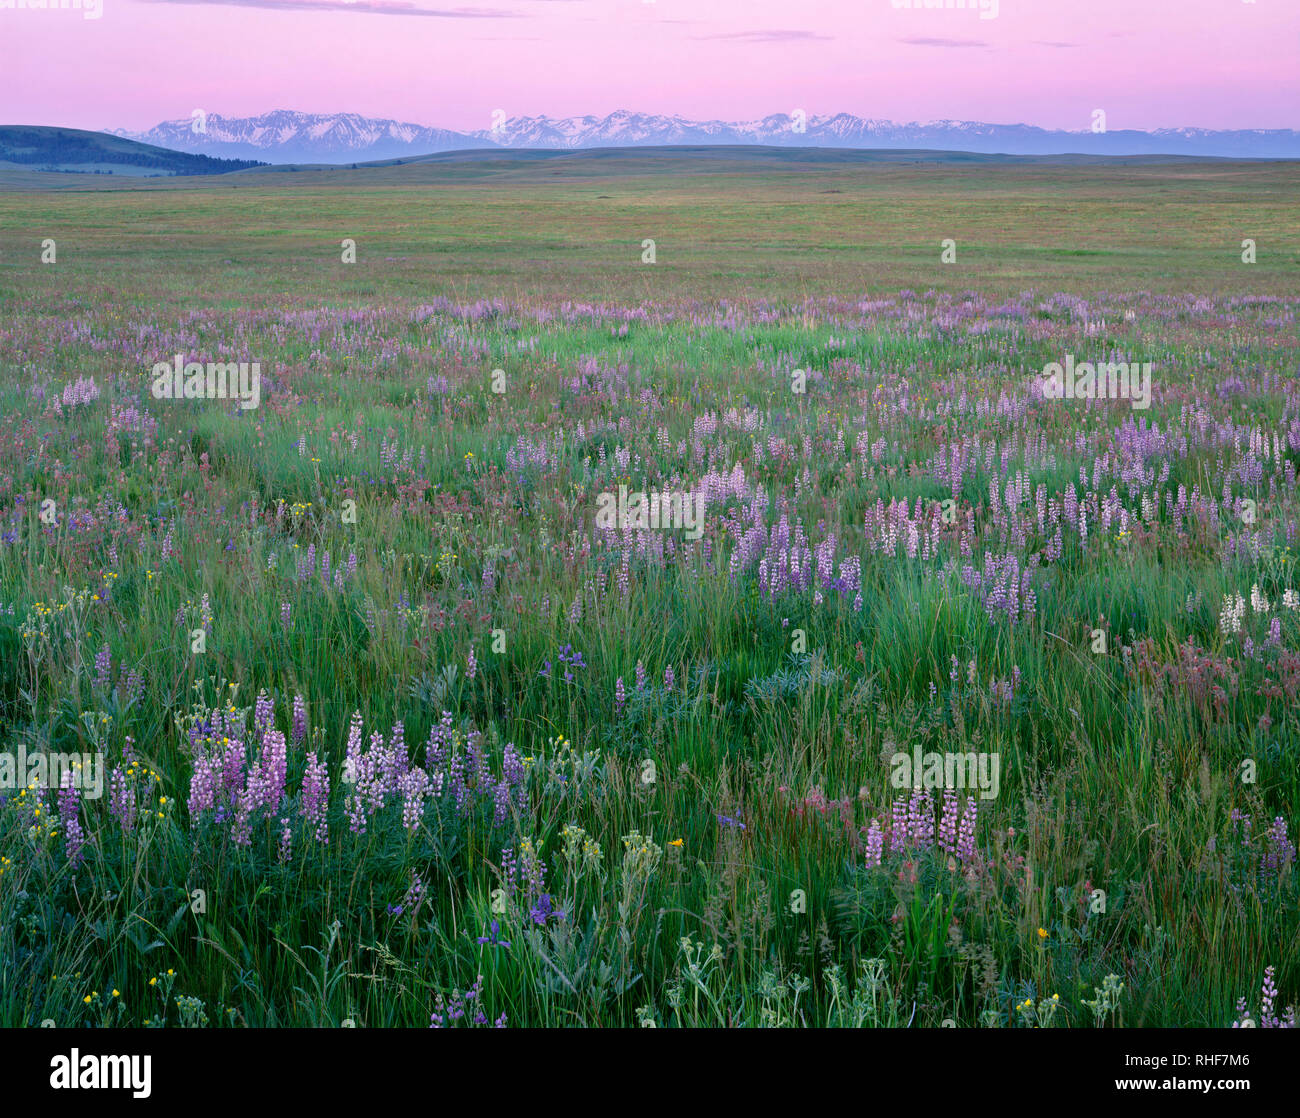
[72, 150]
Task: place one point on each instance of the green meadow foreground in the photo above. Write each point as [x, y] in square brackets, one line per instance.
[913, 692]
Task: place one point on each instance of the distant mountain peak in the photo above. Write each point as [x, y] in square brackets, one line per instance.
[288, 136]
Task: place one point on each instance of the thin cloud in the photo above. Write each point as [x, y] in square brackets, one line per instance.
[920, 41]
[765, 36]
[1046, 43]
[364, 7]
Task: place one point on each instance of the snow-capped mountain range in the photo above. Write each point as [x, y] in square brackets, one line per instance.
[284, 136]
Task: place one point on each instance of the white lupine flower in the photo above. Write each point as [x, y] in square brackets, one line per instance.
[1234, 608]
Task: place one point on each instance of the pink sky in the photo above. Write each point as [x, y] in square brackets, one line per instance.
[450, 63]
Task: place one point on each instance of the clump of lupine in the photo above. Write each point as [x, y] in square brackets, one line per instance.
[1268, 1016]
[463, 1009]
[240, 777]
[523, 878]
[1264, 859]
[80, 393]
[1000, 695]
[911, 827]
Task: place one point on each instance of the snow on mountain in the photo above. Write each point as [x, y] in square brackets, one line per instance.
[286, 136]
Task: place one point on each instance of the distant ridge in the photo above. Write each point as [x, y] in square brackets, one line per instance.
[285, 136]
[72, 150]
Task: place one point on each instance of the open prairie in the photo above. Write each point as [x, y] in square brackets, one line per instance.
[728, 224]
[622, 588]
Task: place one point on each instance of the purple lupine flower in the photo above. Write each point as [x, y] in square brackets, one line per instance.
[471, 666]
[874, 852]
[121, 800]
[1268, 996]
[264, 787]
[512, 766]
[134, 686]
[275, 771]
[525, 873]
[620, 697]
[509, 870]
[415, 786]
[415, 893]
[232, 765]
[474, 992]
[299, 720]
[394, 763]
[352, 753]
[436, 752]
[205, 785]
[372, 778]
[315, 799]
[456, 779]
[948, 822]
[103, 667]
[534, 872]
[356, 814]
[966, 832]
[501, 804]
[263, 714]
[241, 825]
[80, 392]
[1280, 849]
[920, 815]
[74, 837]
[898, 831]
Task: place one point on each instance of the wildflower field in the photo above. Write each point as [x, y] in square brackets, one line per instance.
[395, 706]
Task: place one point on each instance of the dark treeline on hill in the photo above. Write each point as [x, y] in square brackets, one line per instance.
[63, 149]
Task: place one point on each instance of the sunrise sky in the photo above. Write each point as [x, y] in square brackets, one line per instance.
[1158, 63]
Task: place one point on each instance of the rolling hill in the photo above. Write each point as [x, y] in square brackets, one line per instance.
[74, 151]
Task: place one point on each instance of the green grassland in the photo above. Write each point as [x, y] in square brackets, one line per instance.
[572, 227]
